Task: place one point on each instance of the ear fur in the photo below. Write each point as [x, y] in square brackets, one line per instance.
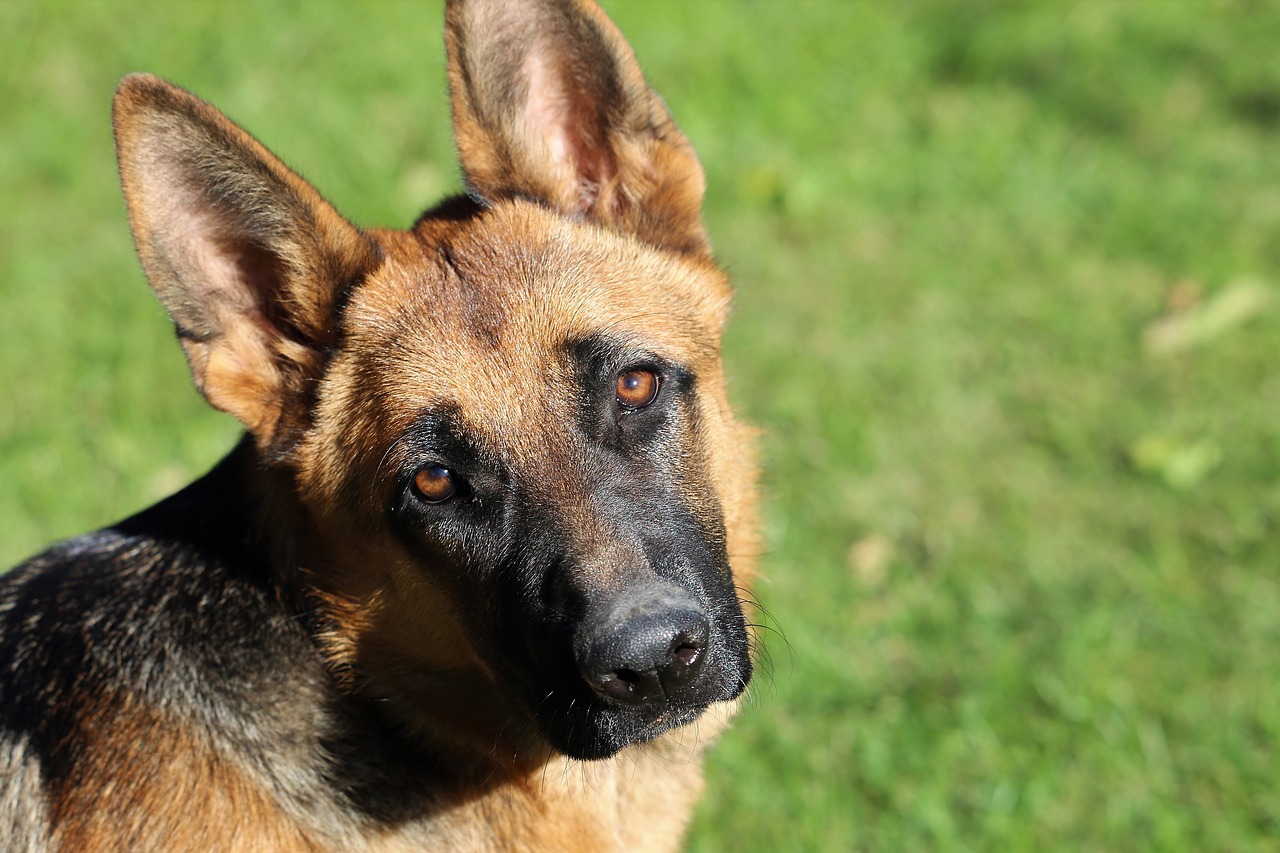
[248, 259]
[549, 103]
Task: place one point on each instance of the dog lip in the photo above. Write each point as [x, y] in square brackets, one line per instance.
[616, 728]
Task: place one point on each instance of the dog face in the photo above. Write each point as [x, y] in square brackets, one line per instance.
[518, 481]
[552, 473]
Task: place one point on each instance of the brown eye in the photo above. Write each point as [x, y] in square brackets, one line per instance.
[435, 484]
[637, 388]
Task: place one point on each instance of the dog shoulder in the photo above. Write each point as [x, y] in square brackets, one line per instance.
[134, 682]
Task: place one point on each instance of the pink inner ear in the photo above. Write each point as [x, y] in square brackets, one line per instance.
[229, 340]
[560, 136]
[220, 273]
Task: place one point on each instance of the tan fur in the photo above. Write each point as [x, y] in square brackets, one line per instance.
[148, 782]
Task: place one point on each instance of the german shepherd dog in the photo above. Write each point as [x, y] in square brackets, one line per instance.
[465, 583]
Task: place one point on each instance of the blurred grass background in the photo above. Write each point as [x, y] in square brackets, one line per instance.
[1008, 312]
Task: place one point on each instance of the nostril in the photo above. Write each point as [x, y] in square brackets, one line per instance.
[685, 655]
[627, 676]
[684, 660]
[627, 685]
[620, 685]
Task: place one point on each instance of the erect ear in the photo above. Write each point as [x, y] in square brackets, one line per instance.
[246, 256]
[549, 103]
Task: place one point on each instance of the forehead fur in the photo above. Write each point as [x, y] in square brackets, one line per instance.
[511, 290]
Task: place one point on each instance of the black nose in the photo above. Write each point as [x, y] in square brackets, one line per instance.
[647, 645]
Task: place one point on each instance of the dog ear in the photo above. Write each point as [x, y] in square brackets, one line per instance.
[549, 103]
[246, 256]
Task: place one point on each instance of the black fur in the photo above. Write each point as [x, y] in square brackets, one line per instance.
[179, 607]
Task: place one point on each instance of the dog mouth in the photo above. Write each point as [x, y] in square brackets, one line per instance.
[587, 726]
[595, 730]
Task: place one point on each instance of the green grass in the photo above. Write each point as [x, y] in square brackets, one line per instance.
[1027, 563]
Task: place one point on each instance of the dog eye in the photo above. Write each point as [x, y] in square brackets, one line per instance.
[636, 389]
[435, 484]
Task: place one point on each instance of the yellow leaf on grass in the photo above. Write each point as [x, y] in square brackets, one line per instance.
[1227, 310]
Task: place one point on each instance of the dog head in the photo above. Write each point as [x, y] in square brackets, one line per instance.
[518, 481]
